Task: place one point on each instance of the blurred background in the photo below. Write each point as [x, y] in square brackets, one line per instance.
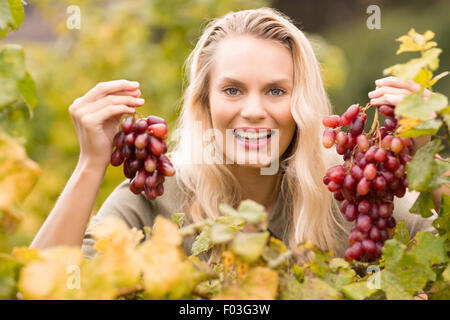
[149, 40]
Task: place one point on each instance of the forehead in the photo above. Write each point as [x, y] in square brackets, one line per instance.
[249, 58]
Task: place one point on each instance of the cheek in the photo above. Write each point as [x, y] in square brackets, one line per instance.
[221, 112]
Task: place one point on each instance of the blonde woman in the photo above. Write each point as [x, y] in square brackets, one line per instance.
[250, 70]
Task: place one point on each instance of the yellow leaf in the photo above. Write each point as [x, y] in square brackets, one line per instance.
[47, 277]
[407, 123]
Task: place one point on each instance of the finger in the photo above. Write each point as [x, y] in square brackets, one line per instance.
[114, 110]
[92, 119]
[390, 99]
[105, 88]
[135, 93]
[93, 107]
[113, 100]
[399, 83]
[387, 90]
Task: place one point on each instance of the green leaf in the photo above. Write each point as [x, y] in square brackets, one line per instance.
[221, 233]
[27, 89]
[340, 274]
[235, 223]
[438, 179]
[249, 246]
[410, 70]
[178, 219]
[12, 62]
[421, 168]
[252, 211]
[429, 127]
[423, 205]
[17, 12]
[358, 290]
[8, 92]
[248, 210]
[442, 223]
[404, 272]
[402, 233]
[202, 241]
[311, 288]
[429, 249]
[415, 106]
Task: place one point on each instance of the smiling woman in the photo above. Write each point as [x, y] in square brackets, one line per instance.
[253, 78]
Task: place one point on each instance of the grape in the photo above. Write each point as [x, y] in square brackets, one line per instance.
[386, 110]
[384, 210]
[370, 171]
[363, 143]
[379, 183]
[150, 164]
[155, 119]
[364, 206]
[356, 126]
[141, 126]
[129, 139]
[373, 173]
[341, 138]
[380, 155]
[329, 136]
[119, 140]
[158, 130]
[156, 146]
[368, 246]
[127, 124]
[140, 153]
[331, 121]
[396, 145]
[350, 212]
[363, 186]
[140, 147]
[364, 223]
[117, 158]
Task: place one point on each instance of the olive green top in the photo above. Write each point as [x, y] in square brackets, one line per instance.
[137, 211]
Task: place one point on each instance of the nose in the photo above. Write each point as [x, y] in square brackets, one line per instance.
[253, 109]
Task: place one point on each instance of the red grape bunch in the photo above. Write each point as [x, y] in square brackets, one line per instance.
[373, 174]
[140, 146]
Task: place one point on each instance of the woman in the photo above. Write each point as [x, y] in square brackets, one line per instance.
[250, 69]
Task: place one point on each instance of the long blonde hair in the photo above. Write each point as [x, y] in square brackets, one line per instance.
[309, 209]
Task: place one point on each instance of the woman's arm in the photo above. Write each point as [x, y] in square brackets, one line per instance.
[68, 220]
[96, 117]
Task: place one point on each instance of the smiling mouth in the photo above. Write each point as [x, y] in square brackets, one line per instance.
[252, 136]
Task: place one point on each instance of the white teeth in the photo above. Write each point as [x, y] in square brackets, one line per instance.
[252, 134]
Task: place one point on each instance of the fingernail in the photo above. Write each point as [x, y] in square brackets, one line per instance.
[140, 100]
[371, 93]
[134, 83]
[379, 81]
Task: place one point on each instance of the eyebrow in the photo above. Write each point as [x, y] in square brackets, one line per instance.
[230, 80]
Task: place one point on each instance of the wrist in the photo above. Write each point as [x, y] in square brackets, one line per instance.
[91, 165]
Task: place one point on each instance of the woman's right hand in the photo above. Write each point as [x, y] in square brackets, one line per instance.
[96, 117]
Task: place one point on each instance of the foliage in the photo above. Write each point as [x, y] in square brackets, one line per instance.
[18, 173]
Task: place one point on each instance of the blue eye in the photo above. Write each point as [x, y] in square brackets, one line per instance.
[278, 90]
[234, 90]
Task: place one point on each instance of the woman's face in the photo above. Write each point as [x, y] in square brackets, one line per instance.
[250, 96]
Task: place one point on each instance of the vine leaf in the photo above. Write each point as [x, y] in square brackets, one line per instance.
[423, 205]
[416, 106]
[421, 168]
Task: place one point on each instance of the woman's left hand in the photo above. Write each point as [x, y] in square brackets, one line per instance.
[392, 91]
